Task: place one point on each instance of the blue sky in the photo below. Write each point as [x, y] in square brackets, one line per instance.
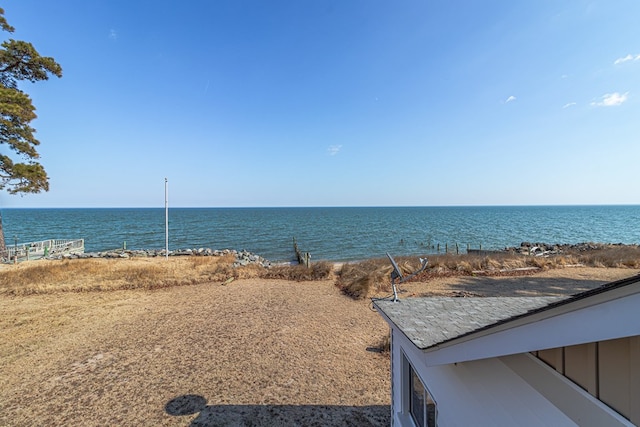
[335, 103]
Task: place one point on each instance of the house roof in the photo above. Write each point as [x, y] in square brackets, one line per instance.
[432, 321]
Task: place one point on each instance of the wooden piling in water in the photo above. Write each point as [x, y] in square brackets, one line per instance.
[303, 258]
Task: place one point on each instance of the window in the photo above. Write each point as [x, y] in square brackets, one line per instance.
[422, 407]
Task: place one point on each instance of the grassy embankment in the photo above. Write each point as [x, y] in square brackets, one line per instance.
[98, 274]
[357, 280]
[372, 276]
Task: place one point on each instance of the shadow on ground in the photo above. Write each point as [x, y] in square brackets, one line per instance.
[519, 286]
[276, 415]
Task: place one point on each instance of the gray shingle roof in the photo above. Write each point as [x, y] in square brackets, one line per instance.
[431, 321]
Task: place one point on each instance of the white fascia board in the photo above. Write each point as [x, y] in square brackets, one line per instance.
[608, 320]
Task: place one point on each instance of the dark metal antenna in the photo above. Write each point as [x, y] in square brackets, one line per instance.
[396, 274]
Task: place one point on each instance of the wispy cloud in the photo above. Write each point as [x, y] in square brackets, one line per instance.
[627, 58]
[569, 104]
[510, 99]
[611, 99]
[113, 34]
[334, 149]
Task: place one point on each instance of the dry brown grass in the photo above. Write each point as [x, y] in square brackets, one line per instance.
[299, 273]
[84, 275]
[360, 280]
[357, 280]
[258, 352]
[613, 256]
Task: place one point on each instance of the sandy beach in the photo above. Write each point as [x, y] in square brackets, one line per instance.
[254, 352]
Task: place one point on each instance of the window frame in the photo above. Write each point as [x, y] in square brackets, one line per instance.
[428, 417]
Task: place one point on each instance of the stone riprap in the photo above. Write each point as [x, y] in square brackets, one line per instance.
[242, 257]
[543, 249]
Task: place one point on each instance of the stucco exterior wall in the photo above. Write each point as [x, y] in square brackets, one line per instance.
[507, 391]
[478, 393]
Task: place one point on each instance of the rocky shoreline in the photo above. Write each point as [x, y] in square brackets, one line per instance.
[544, 249]
[243, 257]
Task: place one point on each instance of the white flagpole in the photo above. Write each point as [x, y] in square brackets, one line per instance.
[166, 219]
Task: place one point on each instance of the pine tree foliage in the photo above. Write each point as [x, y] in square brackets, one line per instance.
[20, 171]
[19, 61]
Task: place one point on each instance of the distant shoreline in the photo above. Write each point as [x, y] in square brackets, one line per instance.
[246, 257]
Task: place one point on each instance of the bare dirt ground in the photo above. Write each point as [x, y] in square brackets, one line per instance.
[254, 352]
[563, 281]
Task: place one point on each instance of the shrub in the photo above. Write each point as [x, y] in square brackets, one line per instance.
[317, 271]
[385, 343]
[358, 288]
[360, 280]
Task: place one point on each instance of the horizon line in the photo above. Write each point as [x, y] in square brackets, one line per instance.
[327, 206]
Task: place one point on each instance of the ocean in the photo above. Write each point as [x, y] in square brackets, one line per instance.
[328, 233]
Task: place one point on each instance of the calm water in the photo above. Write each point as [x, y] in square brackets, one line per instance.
[327, 233]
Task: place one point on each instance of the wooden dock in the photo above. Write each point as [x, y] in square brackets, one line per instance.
[42, 249]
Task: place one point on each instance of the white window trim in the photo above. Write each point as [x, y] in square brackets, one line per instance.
[406, 418]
